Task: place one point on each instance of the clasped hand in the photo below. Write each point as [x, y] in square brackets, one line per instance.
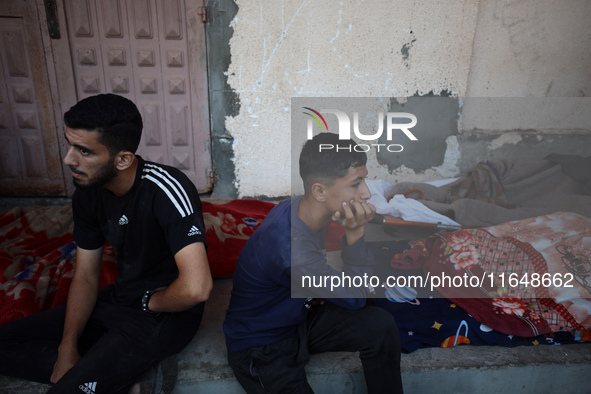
[356, 214]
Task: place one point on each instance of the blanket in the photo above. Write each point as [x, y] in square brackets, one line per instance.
[426, 319]
[525, 278]
[229, 224]
[438, 322]
[499, 191]
[38, 253]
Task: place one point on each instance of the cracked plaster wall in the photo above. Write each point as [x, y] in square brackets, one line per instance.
[382, 48]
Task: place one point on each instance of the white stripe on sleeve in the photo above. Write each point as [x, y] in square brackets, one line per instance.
[168, 193]
[175, 187]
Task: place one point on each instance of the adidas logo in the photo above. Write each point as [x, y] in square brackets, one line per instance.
[88, 388]
[123, 220]
[194, 231]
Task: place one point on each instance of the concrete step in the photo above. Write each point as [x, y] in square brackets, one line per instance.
[464, 369]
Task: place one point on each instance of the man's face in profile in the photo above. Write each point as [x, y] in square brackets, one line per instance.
[351, 187]
[90, 161]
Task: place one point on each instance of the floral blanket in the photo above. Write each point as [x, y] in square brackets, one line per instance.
[38, 253]
[527, 278]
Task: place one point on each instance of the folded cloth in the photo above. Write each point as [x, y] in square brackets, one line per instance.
[402, 207]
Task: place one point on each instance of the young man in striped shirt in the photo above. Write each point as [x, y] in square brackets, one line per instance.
[103, 341]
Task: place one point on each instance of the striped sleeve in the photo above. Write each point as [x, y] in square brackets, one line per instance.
[177, 205]
[170, 186]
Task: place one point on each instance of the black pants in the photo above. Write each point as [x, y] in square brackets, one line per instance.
[279, 367]
[118, 344]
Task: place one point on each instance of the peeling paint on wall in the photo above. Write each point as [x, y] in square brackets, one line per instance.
[448, 169]
[469, 48]
[437, 119]
[405, 50]
[335, 49]
[223, 101]
[508, 138]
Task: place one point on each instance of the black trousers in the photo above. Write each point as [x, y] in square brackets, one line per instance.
[118, 344]
[279, 367]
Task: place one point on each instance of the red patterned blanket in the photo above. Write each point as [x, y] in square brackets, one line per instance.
[38, 253]
[525, 278]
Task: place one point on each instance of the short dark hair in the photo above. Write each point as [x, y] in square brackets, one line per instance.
[329, 164]
[116, 118]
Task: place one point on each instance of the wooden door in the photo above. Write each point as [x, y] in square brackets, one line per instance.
[152, 52]
[30, 161]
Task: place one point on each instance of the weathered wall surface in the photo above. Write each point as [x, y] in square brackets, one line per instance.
[383, 48]
[532, 48]
[537, 55]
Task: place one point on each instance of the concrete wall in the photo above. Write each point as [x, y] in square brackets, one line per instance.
[383, 48]
[536, 55]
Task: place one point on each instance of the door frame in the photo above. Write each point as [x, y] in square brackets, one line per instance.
[59, 69]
